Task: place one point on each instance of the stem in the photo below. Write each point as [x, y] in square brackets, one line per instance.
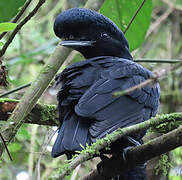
[4, 143]
[158, 74]
[158, 60]
[134, 16]
[15, 90]
[32, 149]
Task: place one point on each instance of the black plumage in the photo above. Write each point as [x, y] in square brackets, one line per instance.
[87, 110]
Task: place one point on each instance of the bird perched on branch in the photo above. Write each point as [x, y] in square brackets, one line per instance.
[87, 109]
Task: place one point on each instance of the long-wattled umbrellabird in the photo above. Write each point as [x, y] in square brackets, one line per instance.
[87, 109]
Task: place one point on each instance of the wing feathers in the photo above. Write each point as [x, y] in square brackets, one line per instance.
[87, 90]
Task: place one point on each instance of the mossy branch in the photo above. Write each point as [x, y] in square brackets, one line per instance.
[45, 115]
[90, 151]
[139, 154]
[41, 114]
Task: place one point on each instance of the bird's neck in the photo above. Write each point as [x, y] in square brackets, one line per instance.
[95, 52]
[125, 55]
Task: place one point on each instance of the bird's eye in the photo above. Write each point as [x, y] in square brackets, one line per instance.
[104, 36]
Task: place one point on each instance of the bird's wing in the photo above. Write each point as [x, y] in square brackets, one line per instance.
[111, 113]
[73, 130]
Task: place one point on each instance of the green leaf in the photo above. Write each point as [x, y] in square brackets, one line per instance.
[23, 134]
[178, 2]
[4, 27]
[121, 12]
[9, 8]
[14, 147]
[1, 43]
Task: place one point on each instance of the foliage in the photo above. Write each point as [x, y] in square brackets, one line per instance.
[4, 27]
[8, 9]
[169, 126]
[163, 165]
[122, 16]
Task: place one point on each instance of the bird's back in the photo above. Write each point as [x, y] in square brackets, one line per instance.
[86, 106]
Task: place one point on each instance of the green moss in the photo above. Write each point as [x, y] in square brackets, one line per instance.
[64, 168]
[177, 154]
[164, 165]
[168, 126]
[48, 111]
[94, 149]
[46, 69]
[8, 100]
[90, 151]
[175, 177]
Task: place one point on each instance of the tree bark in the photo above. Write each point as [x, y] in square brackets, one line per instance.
[117, 165]
[40, 114]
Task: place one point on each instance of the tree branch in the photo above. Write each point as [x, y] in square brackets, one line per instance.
[15, 90]
[41, 114]
[157, 74]
[172, 5]
[136, 155]
[146, 60]
[91, 151]
[33, 93]
[159, 21]
[45, 115]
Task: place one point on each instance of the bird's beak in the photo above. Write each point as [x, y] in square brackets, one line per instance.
[76, 43]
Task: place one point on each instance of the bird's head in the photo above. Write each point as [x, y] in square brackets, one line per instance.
[91, 33]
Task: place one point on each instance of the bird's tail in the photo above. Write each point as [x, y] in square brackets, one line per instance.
[72, 136]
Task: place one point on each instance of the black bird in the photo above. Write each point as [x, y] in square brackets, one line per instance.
[87, 110]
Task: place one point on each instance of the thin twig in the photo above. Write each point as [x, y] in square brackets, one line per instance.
[4, 143]
[132, 19]
[158, 74]
[32, 148]
[20, 25]
[145, 60]
[172, 5]
[160, 19]
[23, 9]
[15, 90]
[17, 17]
[47, 139]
